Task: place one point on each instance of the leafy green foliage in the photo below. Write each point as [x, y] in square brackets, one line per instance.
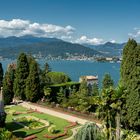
[60, 95]
[2, 119]
[8, 82]
[89, 131]
[21, 75]
[32, 90]
[80, 99]
[45, 80]
[52, 129]
[95, 90]
[54, 89]
[130, 79]
[58, 77]
[107, 81]
[1, 74]
[6, 135]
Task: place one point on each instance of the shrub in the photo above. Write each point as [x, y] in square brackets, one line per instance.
[52, 129]
[58, 77]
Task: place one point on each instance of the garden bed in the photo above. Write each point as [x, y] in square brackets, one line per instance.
[31, 122]
[20, 131]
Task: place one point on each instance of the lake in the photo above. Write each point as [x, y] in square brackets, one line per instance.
[75, 69]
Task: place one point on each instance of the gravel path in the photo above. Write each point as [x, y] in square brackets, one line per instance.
[55, 113]
[74, 131]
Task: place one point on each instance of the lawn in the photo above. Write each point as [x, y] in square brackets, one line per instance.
[20, 131]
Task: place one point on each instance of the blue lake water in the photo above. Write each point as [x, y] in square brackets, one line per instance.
[75, 69]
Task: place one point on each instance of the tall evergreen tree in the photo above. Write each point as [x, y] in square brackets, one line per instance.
[21, 75]
[33, 83]
[8, 82]
[45, 79]
[107, 81]
[95, 90]
[130, 79]
[1, 74]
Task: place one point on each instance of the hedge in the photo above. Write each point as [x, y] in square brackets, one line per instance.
[56, 88]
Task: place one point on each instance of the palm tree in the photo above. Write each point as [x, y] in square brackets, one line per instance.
[106, 113]
[118, 98]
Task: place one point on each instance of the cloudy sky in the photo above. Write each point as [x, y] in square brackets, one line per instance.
[80, 21]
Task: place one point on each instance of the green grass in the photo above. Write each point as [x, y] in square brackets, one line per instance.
[22, 132]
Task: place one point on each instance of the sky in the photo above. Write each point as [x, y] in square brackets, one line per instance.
[78, 21]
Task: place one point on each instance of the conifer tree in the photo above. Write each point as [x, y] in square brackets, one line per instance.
[107, 81]
[1, 74]
[45, 80]
[32, 90]
[8, 82]
[130, 79]
[21, 75]
[95, 90]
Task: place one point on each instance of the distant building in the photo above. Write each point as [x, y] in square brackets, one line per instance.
[89, 79]
[109, 59]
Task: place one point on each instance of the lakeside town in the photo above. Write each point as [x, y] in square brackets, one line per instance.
[70, 70]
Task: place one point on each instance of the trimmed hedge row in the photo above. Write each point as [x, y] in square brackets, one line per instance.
[66, 86]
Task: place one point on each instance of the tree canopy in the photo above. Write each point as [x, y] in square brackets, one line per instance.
[21, 75]
[58, 77]
[130, 79]
[107, 81]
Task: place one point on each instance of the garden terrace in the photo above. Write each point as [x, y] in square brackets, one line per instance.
[28, 134]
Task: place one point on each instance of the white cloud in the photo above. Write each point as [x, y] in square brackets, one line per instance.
[93, 41]
[136, 33]
[113, 41]
[19, 27]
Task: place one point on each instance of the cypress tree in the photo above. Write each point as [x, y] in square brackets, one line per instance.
[21, 75]
[107, 81]
[1, 74]
[33, 83]
[8, 82]
[130, 79]
[95, 90]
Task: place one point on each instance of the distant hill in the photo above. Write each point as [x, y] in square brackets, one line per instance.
[108, 49]
[10, 47]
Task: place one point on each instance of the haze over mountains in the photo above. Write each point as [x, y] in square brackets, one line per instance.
[108, 48]
[10, 47]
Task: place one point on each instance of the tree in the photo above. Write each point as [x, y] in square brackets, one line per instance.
[107, 81]
[32, 90]
[21, 75]
[83, 97]
[8, 82]
[60, 95]
[118, 99]
[45, 80]
[130, 79]
[1, 74]
[95, 90]
[89, 131]
[80, 100]
[58, 77]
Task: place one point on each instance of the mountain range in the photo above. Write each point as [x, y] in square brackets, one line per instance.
[108, 48]
[10, 47]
